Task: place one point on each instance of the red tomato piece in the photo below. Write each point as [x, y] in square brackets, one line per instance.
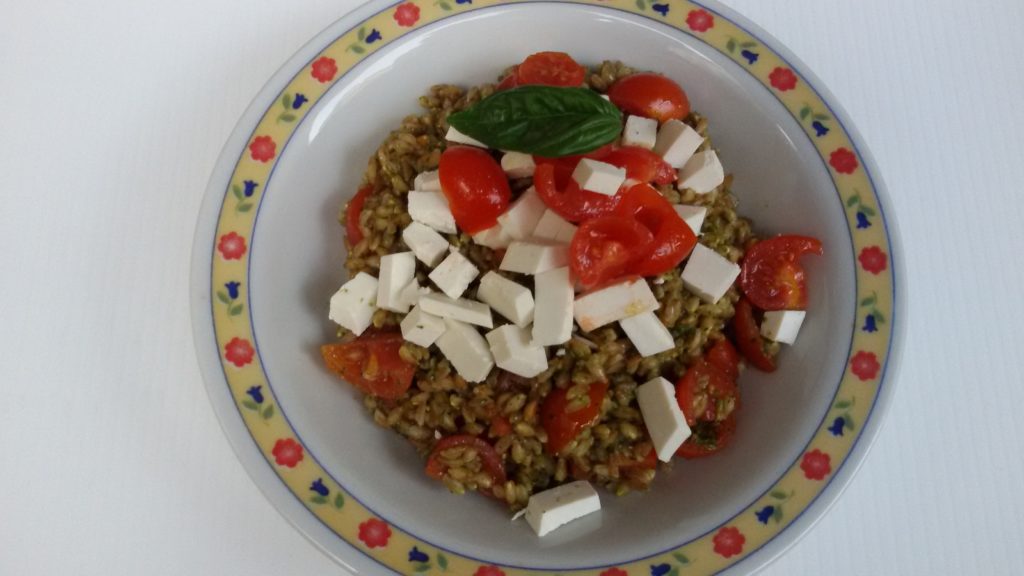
[476, 187]
[651, 96]
[723, 355]
[748, 337]
[489, 458]
[772, 278]
[705, 393]
[509, 81]
[372, 364]
[708, 438]
[562, 425]
[673, 238]
[570, 202]
[551, 69]
[355, 206]
[641, 164]
[500, 426]
[603, 247]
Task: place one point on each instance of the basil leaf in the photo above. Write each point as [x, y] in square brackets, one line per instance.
[548, 121]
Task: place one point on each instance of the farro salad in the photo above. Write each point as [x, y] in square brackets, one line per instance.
[549, 284]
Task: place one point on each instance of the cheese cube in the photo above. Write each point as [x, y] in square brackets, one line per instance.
[692, 215]
[558, 506]
[463, 310]
[521, 218]
[599, 177]
[782, 325]
[554, 228]
[396, 271]
[647, 334]
[552, 318]
[353, 305]
[466, 349]
[517, 165]
[493, 237]
[431, 208]
[613, 303]
[454, 274]
[677, 142]
[421, 328]
[453, 135]
[531, 258]
[640, 131]
[664, 420]
[513, 352]
[411, 294]
[702, 173]
[709, 275]
[428, 181]
[511, 300]
[429, 246]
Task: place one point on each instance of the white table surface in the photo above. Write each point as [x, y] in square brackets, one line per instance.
[111, 460]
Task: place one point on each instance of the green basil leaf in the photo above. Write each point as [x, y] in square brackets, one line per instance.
[548, 121]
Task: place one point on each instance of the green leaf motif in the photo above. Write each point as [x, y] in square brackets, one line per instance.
[819, 116]
[339, 501]
[244, 207]
[778, 495]
[730, 45]
[268, 412]
[805, 112]
[250, 405]
[748, 44]
[362, 33]
[848, 422]
[673, 572]
[318, 499]
[286, 101]
[681, 558]
[869, 301]
[445, 6]
[357, 48]
[878, 316]
[867, 211]
[853, 201]
[641, 5]
[237, 191]
[842, 405]
[421, 567]
[549, 121]
[223, 297]
[777, 514]
[287, 117]
[442, 561]
[235, 310]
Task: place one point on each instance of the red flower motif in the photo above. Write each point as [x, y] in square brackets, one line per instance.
[231, 246]
[865, 366]
[324, 69]
[873, 259]
[783, 79]
[262, 149]
[407, 14]
[287, 452]
[816, 465]
[729, 542]
[700, 20]
[488, 571]
[844, 161]
[614, 572]
[375, 533]
[239, 352]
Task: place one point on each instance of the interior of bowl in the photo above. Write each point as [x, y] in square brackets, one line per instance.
[297, 255]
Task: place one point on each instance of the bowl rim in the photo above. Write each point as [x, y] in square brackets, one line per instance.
[258, 463]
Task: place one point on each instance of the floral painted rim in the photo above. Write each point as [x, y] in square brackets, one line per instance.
[388, 544]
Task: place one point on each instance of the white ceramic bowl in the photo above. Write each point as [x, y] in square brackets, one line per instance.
[790, 177]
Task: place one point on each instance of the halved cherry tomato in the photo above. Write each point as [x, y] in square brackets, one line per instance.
[509, 81]
[562, 425]
[748, 337]
[723, 355]
[352, 211]
[650, 95]
[641, 164]
[705, 393]
[489, 458]
[570, 202]
[771, 276]
[673, 238]
[551, 69]
[708, 438]
[476, 187]
[603, 247]
[371, 363]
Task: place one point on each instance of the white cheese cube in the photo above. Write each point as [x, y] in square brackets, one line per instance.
[513, 352]
[463, 310]
[702, 173]
[709, 275]
[353, 305]
[493, 237]
[664, 420]
[396, 271]
[454, 274]
[554, 228]
[552, 318]
[692, 215]
[647, 334]
[532, 258]
[599, 177]
[428, 181]
[511, 300]
[640, 131]
[411, 294]
[431, 208]
[677, 142]
[453, 135]
[521, 218]
[421, 328]
[782, 325]
[613, 303]
[517, 165]
[429, 246]
[558, 506]
[466, 349]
